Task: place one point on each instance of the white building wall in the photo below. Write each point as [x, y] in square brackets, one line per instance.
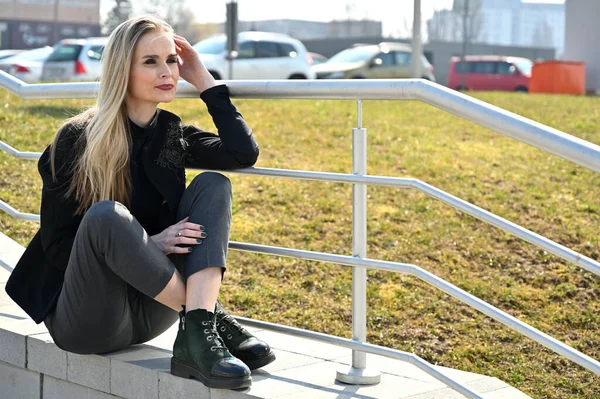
[581, 38]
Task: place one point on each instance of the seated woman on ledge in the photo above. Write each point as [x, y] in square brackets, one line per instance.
[123, 244]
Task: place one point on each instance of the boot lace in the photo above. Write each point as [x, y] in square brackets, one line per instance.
[213, 336]
[229, 324]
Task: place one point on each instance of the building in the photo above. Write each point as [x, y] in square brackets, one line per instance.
[580, 39]
[35, 23]
[506, 23]
[305, 30]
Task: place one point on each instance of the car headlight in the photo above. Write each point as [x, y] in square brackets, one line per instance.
[335, 75]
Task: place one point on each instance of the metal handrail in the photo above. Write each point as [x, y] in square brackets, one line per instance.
[551, 140]
[510, 124]
[535, 239]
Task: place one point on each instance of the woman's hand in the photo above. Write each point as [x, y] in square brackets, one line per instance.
[191, 67]
[182, 232]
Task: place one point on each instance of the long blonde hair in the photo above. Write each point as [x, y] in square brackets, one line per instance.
[102, 170]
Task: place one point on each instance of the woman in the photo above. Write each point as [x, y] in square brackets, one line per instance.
[114, 205]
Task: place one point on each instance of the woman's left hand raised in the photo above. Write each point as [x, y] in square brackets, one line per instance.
[191, 67]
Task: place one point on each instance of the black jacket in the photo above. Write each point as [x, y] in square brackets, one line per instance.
[36, 281]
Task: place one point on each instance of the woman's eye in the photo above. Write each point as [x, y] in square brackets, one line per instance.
[171, 60]
[148, 62]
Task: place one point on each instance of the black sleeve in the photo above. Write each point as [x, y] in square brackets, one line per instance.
[58, 223]
[233, 148]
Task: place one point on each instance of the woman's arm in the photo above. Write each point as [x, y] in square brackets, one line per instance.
[233, 148]
[58, 224]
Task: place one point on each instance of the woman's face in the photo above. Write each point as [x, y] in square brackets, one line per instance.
[154, 70]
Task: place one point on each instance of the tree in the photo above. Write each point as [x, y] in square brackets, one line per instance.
[176, 14]
[120, 12]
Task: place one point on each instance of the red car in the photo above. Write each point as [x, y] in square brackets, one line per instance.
[490, 73]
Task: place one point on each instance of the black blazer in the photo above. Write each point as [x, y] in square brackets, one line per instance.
[36, 281]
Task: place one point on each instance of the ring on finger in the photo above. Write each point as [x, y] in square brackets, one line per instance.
[178, 234]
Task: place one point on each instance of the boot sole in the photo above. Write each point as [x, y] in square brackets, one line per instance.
[184, 370]
[260, 362]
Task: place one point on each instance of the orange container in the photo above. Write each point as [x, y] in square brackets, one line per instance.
[561, 77]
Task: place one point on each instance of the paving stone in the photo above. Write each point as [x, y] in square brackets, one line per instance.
[134, 371]
[60, 389]
[18, 383]
[4, 274]
[45, 357]
[321, 377]
[10, 253]
[303, 346]
[487, 387]
[91, 371]
[12, 312]
[409, 370]
[506, 393]
[288, 360]
[5, 300]
[13, 348]
[13, 331]
[171, 387]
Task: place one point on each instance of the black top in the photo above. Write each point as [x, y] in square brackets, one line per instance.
[161, 158]
[145, 198]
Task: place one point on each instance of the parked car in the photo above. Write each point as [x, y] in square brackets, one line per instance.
[373, 61]
[27, 65]
[490, 73]
[8, 53]
[75, 60]
[317, 58]
[259, 55]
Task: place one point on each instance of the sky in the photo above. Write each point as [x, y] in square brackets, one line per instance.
[396, 15]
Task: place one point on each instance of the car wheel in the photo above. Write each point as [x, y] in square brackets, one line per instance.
[297, 76]
[215, 75]
[522, 89]
[358, 77]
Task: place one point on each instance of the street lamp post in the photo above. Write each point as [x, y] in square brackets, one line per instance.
[417, 44]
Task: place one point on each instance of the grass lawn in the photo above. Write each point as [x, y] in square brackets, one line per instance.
[539, 191]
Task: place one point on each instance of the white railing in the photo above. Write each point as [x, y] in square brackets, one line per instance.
[551, 140]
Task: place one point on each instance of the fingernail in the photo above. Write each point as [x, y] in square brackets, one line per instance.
[202, 228]
[199, 241]
[203, 235]
[190, 249]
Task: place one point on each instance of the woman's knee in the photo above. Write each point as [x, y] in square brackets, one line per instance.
[107, 211]
[213, 181]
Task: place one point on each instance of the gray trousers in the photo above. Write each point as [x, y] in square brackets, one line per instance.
[115, 270]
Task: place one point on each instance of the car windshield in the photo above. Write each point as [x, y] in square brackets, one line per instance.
[65, 52]
[213, 45]
[524, 66]
[353, 55]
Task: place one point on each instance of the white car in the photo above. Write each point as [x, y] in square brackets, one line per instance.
[259, 55]
[26, 66]
[75, 60]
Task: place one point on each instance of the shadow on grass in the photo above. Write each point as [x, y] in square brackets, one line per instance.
[54, 112]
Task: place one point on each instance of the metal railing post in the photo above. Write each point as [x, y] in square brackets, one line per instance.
[358, 373]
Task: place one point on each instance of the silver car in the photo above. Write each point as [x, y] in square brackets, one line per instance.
[27, 65]
[75, 60]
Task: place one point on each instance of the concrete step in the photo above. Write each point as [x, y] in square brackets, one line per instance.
[32, 366]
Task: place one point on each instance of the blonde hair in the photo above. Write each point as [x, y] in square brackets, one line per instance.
[102, 170]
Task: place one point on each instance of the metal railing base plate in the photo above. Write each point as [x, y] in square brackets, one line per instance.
[355, 376]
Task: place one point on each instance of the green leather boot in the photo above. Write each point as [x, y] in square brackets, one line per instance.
[243, 345]
[199, 352]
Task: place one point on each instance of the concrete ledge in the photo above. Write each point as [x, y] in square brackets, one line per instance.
[32, 366]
